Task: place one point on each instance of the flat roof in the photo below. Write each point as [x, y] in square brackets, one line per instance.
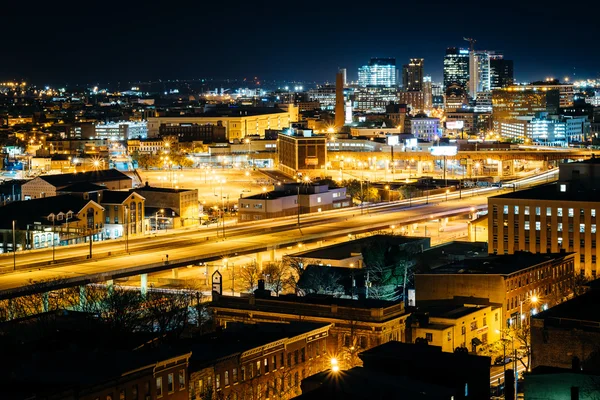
[228, 112]
[551, 192]
[345, 250]
[147, 188]
[240, 337]
[448, 252]
[505, 264]
[580, 309]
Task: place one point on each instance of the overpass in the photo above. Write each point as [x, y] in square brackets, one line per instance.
[503, 160]
[190, 248]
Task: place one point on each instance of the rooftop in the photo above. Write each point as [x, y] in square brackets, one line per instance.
[581, 311]
[551, 192]
[449, 311]
[240, 337]
[230, 112]
[317, 305]
[498, 264]
[82, 187]
[62, 180]
[345, 250]
[29, 211]
[114, 196]
[148, 188]
[449, 252]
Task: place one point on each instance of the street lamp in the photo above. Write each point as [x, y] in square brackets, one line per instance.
[532, 300]
[222, 181]
[162, 212]
[126, 229]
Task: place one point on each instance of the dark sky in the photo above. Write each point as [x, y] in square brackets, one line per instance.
[304, 40]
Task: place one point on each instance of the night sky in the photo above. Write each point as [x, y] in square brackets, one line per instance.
[302, 41]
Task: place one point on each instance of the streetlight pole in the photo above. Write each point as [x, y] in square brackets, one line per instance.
[53, 240]
[127, 229]
[14, 246]
[223, 208]
[298, 201]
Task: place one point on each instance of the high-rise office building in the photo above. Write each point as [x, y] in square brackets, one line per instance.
[427, 93]
[456, 67]
[501, 72]
[551, 218]
[343, 71]
[479, 72]
[379, 72]
[483, 71]
[412, 75]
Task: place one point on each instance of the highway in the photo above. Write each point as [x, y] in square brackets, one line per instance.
[184, 247]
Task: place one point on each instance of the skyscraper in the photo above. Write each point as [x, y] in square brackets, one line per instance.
[483, 71]
[501, 72]
[412, 75]
[339, 99]
[456, 67]
[427, 93]
[379, 72]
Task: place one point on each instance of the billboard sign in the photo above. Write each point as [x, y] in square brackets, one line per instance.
[455, 124]
[443, 150]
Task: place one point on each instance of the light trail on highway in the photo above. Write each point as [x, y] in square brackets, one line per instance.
[200, 243]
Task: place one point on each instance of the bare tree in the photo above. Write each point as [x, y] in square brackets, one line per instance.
[249, 275]
[168, 313]
[277, 276]
[296, 267]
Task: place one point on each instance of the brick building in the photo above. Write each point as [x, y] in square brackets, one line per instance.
[357, 324]
[301, 152]
[257, 361]
[567, 334]
[507, 281]
[551, 218]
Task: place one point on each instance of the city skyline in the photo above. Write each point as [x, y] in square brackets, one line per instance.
[278, 43]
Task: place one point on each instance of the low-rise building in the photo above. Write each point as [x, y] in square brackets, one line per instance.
[356, 324]
[291, 199]
[255, 361]
[350, 254]
[123, 214]
[51, 221]
[181, 202]
[405, 370]
[506, 281]
[48, 185]
[449, 326]
[568, 334]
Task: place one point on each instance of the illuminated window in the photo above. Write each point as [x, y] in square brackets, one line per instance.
[559, 211]
[570, 212]
[159, 390]
[563, 188]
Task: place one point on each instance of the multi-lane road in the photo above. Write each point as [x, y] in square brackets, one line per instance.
[185, 247]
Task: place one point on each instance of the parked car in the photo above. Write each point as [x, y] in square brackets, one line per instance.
[502, 360]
